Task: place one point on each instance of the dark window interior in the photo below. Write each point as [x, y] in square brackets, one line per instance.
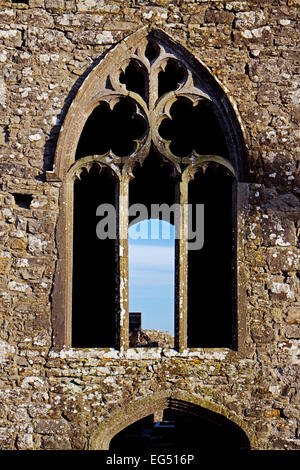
[152, 51]
[193, 128]
[153, 183]
[211, 270]
[94, 264]
[181, 431]
[23, 200]
[115, 130]
[170, 78]
[135, 79]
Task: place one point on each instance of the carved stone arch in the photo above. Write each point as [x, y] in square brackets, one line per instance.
[94, 88]
[130, 412]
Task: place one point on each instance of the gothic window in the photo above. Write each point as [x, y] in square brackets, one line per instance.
[149, 126]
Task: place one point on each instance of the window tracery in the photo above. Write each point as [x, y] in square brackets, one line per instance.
[149, 98]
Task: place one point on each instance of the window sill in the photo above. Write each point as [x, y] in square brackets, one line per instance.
[141, 353]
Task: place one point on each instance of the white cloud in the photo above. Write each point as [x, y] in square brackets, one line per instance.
[158, 258]
[151, 229]
[147, 279]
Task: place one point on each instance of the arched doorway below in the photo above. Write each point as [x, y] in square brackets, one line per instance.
[172, 429]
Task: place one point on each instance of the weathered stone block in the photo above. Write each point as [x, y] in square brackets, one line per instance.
[272, 413]
[262, 333]
[54, 4]
[256, 116]
[119, 26]
[283, 202]
[25, 441]
[292, 3]
[293, 315]
[283, 12]
[7, 16]
[48, 426]
[36, 16]
[278, 231]
[10, 37]
[108, 6]
[36, 245]
[281, 291]
[92, 37]
[198, 18]
[249, 19]
[7, 438]
[258, 36]
[5, 264]
[283, 259]
[237, 6]
[269, 70]
[36, 3]
[56, 443]
[292, 331]
[18, 244]
[40, 226]
[222, 17]
[82, 20]
[295, 112]
[267, 94]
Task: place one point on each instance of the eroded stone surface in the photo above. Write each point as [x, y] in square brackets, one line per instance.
[56, 399]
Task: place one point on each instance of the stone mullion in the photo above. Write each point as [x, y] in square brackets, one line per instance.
[123, 264]
[152, 88]
[69, 197]
[62, 292]
[181, 266]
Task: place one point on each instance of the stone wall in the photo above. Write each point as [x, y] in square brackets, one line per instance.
[59, 398]
[161, 339]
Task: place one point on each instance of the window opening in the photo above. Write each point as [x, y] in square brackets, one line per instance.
[153, 183]
[170, 78]
[134, 77]
[211, 278]
[99, 133]
[176, 429]
[151, 282]
[152, 51]
[23, 200]
[152, 248]
[193, 127]
[94, 263]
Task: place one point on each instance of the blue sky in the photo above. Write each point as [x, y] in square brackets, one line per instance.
[151, 273]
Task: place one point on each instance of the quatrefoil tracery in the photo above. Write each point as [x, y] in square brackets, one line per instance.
[151, 81]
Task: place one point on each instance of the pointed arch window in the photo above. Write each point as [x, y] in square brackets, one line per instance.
[148, 99]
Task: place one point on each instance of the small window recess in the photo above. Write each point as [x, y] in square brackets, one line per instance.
[20, 2]
[23, 200]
